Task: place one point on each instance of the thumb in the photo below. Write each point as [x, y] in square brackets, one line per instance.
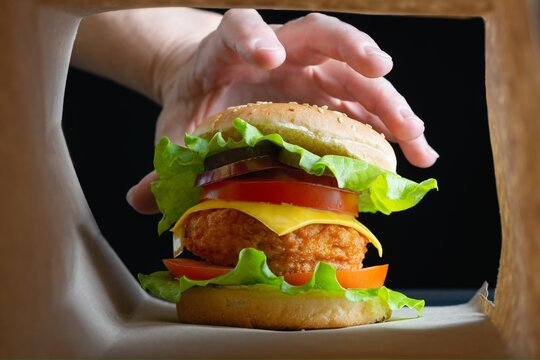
[140, 196]
[244, 32]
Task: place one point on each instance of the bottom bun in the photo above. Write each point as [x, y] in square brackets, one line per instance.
[266, 307]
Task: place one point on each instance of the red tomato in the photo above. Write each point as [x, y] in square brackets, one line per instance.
[370, 277]
[194, 269]
[283, 192]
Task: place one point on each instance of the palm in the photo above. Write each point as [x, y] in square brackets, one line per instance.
[286, 83]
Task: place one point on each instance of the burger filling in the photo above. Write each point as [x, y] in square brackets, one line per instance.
[254, 178]
[269, 207]
[218, 235]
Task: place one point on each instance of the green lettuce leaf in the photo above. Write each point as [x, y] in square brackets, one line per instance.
[252, 269]
[177, 167]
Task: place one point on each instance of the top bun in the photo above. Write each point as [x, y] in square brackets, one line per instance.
[317, 129]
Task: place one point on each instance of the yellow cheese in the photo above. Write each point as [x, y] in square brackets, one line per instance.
[281, 219]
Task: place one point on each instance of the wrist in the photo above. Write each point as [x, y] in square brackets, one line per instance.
[166, 66]
[181, 33]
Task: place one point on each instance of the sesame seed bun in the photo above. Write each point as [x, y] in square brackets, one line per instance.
[264, 307]
[317, 129]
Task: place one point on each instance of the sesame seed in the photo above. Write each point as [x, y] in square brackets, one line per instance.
[340, 120]
[324, 107]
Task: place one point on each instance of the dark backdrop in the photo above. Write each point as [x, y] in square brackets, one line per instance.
[451, 239]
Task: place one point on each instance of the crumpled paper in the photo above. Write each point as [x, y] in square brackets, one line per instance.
[444, 331]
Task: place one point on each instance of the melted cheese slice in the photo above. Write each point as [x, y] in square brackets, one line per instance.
[281, 219]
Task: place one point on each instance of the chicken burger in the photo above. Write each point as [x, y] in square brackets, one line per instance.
[267, 197]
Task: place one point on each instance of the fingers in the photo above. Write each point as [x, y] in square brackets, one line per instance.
[358, 112]
[381, 105]
[378, 96]
[140, 196]
[243, 31]
[418, 152]
[242, 49]
[316, 38]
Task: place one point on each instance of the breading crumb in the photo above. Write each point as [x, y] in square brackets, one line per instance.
[218, 235]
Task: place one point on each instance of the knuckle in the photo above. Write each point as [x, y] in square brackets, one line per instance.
[384, 94]
[318, 19]
[315, 17]
[229, 15]
[232, 15]
[383, 89]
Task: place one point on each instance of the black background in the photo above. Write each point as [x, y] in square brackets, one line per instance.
[450, 240]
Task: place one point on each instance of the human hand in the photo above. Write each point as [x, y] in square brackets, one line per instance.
[315, 59]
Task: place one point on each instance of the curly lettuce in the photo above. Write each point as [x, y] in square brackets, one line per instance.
[252, 269]
[177, 167]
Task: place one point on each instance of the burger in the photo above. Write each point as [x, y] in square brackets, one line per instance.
[264, 198]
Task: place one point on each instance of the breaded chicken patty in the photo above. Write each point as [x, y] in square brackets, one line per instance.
[218, 235]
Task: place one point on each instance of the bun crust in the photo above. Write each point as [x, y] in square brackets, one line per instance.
[262, 307]
[317, 129]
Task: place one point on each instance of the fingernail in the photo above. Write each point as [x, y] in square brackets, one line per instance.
[408, 115]
[266, 45]
[431, 151]
[129, 196]
[375, 51]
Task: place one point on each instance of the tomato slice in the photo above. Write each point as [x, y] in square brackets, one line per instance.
[194, 269]
[370, 277]
[283, 192]
[261, 167]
